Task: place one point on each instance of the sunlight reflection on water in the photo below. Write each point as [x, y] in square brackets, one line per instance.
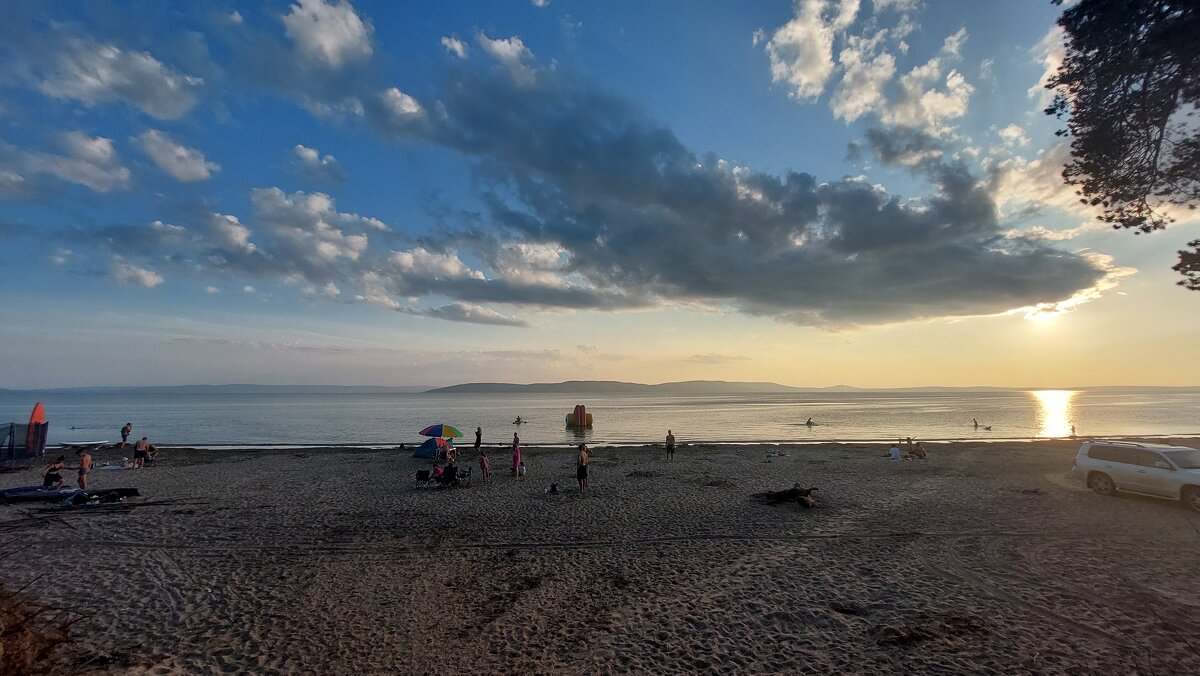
[1055, 412]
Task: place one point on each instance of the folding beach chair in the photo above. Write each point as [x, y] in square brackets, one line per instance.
[424, 478]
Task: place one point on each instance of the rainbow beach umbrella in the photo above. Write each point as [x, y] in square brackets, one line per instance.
[441, 430]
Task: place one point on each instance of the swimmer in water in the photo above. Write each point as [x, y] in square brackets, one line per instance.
[518, 421]
[810, 423]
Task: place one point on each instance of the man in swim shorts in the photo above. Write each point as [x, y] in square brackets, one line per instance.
[670, 445]
[85, 466]
[125, 432]
[141, 452]
[581, 472]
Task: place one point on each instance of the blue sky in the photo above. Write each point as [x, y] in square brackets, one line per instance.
[426, 193]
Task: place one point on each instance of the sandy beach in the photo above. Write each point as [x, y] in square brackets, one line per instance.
[985, 558]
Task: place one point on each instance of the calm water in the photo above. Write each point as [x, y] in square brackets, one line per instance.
[393, 418]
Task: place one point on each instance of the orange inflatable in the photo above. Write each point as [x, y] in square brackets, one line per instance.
[579, 417]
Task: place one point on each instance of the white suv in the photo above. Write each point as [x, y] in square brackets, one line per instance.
[1161, 471]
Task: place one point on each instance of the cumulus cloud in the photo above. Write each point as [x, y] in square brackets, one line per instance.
[184, 163]
[85, 160]
[311, 163]
[866, 72]
[512, 54]
[540, 3]
[1013, 135]
[94, 72]
[1019, 184]
[127, 273]
[922, 104]
[331, 33]
[801, 51]
[455, 46]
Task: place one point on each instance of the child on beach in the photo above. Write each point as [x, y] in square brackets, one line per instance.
[85, 466]
[521, 470]
[485, 466]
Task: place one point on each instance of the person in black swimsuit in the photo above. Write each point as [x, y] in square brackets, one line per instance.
[581, 463]
[51, 478]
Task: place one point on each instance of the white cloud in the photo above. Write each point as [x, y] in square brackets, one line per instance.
[127, 273]
[309, 231]
[1014, 135]
[330, 290]
[801, 51]
[866, 72]
[230, 235]
[923, 106]
[211, 290]
[540, 3]
[847, 10]
[329, 32]
[94, 72]
[759, 35]
[401, 106]
[531, 263]
[1050, 50]
[952, 46]
[184, 163]
[321, 167]
[89, 161]
[248, 289]
[512, 54]
[1018, 184]
[425, 264]
[455, 46]
[61, 256]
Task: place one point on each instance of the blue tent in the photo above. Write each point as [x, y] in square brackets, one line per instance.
[434, 448]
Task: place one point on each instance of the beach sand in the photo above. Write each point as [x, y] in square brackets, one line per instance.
[986, 557]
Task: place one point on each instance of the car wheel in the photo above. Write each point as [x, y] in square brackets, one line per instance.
[1102, 484]
[1191, 498]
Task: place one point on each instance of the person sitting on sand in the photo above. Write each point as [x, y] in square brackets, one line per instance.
[450, 475]
[52, 478]
[521, 470]
[894, 453]
[919, 451]
[436, 473]
[485, 466]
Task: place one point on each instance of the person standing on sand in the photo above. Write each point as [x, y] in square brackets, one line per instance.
[516, 453]
[485, 466]
[478, 438]
[670, 446]
[141, 451]
[85, 466]
[125, 432]
[581, 471]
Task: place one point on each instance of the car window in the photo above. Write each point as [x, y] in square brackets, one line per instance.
[1148, 458]
[1128, 456]
[1186, 459]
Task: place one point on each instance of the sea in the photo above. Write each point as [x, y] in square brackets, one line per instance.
[212, 419]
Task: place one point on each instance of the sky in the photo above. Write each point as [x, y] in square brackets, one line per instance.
[860, 192]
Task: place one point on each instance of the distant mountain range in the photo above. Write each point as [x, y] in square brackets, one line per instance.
[567, 387]
[242, 389]
[617, 387]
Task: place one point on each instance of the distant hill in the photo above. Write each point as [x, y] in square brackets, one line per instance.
[245, 389]
[616, 387]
